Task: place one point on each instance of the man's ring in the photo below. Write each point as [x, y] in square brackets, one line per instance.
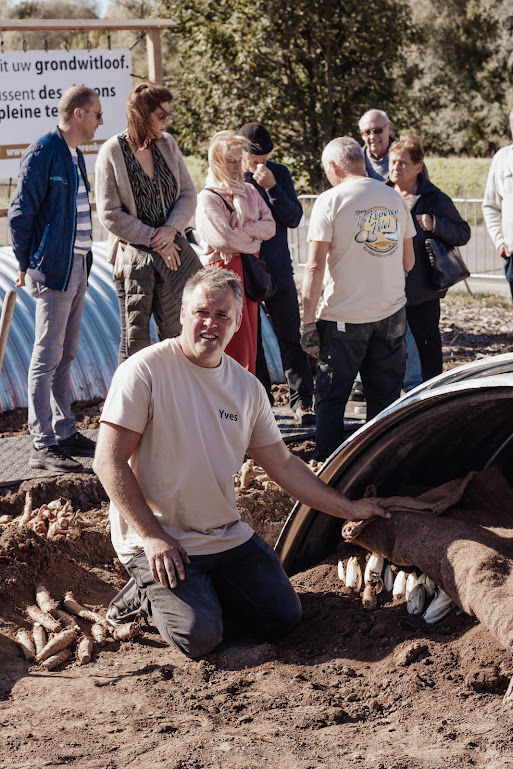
[168, 258]
[164, 243]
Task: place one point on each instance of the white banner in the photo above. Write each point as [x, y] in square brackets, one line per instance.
[32, 83]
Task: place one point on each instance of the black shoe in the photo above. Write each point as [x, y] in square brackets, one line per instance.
[78, 445]
[304, 415]
[125, 606]
[52, 458]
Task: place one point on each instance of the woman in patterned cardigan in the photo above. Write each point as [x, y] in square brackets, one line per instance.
[145, 198]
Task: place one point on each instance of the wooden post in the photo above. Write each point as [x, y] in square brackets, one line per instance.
[155, 74]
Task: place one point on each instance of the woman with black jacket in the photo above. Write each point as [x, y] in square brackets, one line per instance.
[435, 216]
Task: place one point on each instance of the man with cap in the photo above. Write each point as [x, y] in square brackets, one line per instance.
[274, 183]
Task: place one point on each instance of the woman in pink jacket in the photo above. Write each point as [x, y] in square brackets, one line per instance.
[232, 219]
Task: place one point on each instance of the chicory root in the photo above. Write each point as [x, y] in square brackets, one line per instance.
[84, 650]
[57, 659]
[65, 619]
[45, 601]
[126, 631]
[26, 643]
[59, 642]
[99, 633]
[39, 635]
[44, 619]
[75, 608]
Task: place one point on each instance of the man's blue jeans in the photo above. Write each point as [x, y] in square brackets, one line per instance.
[57, 331]
[247, 582]
[378, 351]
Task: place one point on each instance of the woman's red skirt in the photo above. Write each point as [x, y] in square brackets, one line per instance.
[243, 345]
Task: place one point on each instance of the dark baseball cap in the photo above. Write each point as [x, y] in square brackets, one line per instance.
[259, 138]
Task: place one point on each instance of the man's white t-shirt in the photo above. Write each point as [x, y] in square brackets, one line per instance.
[365, 223]
[196, 424]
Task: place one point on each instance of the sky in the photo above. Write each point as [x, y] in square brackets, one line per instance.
[101, 5]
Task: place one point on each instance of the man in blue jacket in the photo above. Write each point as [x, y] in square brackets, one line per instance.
[274, 183]
[50, 223]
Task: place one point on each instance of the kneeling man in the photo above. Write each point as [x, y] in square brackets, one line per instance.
[176, 425]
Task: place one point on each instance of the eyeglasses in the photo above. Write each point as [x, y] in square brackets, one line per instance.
[99, 114]
[164, 116]
[369, 131]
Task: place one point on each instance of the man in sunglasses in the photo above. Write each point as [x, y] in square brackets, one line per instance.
[376, 130]
[50, 223]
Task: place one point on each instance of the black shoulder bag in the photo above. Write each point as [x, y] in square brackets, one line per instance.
[447, 265]
[258, 282]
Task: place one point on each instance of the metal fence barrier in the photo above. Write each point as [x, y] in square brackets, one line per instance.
[479, 254]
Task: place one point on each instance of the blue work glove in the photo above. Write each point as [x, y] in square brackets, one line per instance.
[310, 340]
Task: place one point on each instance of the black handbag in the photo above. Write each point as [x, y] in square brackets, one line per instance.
[447, 265]
[258, 282]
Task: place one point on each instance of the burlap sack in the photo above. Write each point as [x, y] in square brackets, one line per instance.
[465, 545]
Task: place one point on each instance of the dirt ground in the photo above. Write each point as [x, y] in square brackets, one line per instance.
[350, 687]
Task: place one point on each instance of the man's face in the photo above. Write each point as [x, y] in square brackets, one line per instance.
[209, 320]
[90, 119]
[375, 133]
[250, 162]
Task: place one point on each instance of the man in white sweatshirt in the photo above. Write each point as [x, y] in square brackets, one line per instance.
[498, 204]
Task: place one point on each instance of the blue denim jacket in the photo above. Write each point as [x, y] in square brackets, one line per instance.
[42, 216]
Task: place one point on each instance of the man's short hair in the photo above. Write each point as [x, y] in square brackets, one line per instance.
[380, 112]
[216, 279]
[342, 151]
[77, 97]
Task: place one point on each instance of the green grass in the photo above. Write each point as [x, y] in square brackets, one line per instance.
[459, 177]
[478, 300]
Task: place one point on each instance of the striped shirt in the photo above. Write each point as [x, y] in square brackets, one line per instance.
[83, 237]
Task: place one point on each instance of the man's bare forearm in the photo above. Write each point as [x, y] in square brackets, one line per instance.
[124, 491]
[298, 480]
[313, 279]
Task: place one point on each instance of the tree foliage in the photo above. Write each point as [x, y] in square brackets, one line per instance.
[307, 69]
[459, 75]
[50, 9]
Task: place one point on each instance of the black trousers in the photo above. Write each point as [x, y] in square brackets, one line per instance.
[378, 351]
[424, 320]
[283, 309]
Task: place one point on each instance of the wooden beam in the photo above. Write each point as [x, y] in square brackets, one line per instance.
[82, 25]
[155, 73]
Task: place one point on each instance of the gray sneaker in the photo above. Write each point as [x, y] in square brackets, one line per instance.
[52, 458]
[125, 606]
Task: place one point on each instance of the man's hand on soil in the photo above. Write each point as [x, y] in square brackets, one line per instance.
[166, 558]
